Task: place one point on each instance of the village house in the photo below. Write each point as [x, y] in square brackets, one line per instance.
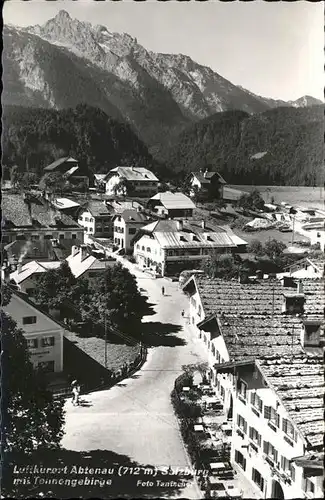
[171, 246]
[264, 347]
[309, 267]
[85, 265]
[135, 181]
[41, 250]
[65, 205]
[29, 217]
[209, 185]
[44, 334]
[171, 205]
[126, 226]
[70, 169]
[81, 262]
[97, 219]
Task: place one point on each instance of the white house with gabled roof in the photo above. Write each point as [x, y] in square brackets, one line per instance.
[43, 333]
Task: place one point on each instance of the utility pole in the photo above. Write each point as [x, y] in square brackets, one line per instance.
[105, 314]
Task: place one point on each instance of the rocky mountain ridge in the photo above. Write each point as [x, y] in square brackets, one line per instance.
[65, 62]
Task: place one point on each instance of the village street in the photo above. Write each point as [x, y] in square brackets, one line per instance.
[136, 418]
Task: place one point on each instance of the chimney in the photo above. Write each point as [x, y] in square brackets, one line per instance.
[179, 225]
[203, 224]
[27, 201]
[6, 273]
[74, 250]
[83, 252]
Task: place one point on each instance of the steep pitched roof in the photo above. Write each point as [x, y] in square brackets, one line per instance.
[40, 249]
[299, 383]
[57, 163]
[16, 212]
[79, 267]
[205, 177]
[173, 200]
[97, 208]
[132, 216]
[134, 174]
[31, 268]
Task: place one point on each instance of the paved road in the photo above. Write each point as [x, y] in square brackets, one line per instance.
[136, 418]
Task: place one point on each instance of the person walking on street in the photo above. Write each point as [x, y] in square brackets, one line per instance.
[75, 387]
[163, 290]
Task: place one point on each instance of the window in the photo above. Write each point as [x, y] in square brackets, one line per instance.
[242, 389]
[91, 219]
[199, 311]
[288, 429]
[256, 402]
[258, 479]
[90, 229]
[255, 436]
[270, 451]
[272, 416]
[74, 236]
[35, 237]
[47, 341]
[132, 230]
[32, 343]
[148, 249]
[86, 219]
[48, 237]
[29, 320]
[241, 423]
[309, 486]
[142, 248]
[61, 237]
[47, 366]
[239, 459]
[138, 247]
[20, 237]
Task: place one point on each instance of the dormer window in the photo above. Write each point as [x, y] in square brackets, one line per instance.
[311, 334]
[182, 238]
[293, 304]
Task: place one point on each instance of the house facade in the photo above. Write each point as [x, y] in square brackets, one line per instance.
[97, 219]
[209, 185]
[265, 364]
[136, 181]
[171, 246]
[171, 205]
[126, 226]
[32, 218]
[44, 334]
[307, 268]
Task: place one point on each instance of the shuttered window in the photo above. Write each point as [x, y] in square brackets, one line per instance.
[255, 436]
[256, 402]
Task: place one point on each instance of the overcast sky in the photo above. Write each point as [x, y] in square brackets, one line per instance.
[273, 49]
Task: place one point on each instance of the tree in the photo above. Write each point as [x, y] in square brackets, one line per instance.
[53, 182]
[57, 286]
[251, 201]
[31, 418]
[115, 298]
[15, 176]
[274, 248]
[255, 247]
[221, 266]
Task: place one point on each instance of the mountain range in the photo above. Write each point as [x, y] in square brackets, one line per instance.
[66, 62]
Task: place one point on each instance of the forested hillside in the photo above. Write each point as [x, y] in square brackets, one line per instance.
[282, 146]
[32, 138]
